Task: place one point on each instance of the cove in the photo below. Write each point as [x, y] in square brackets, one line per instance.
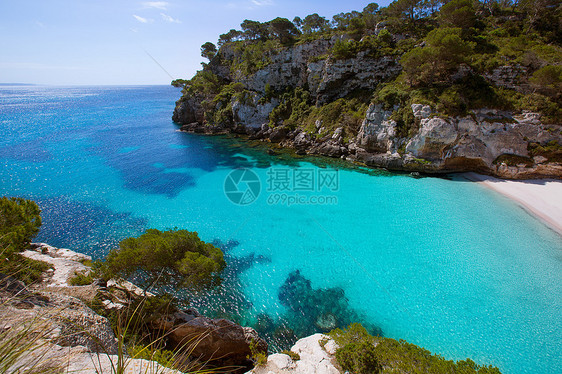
[443, 263]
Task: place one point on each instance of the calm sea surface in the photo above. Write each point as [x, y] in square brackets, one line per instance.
[445, 264]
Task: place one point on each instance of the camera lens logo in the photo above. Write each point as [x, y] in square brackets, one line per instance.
[242, 186]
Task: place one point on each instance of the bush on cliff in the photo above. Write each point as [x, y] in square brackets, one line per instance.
[175, 258]
[20, 220]
[361, 352]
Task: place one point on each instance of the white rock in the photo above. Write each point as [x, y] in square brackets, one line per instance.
[378, 131]
[280, 361]
[434, 133]
[64, 268]
[314, 359]
[128, 286]
[421, 111]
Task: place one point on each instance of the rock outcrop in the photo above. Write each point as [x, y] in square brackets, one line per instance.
[315, 356]
[308, 65]
[211, 340]
[486, 141]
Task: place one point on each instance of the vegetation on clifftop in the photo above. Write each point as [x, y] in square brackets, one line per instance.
[455, 55]
[362, 353]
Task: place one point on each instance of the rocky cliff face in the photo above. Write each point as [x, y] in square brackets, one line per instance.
[309, 65]
[494, 142]
[487, 141]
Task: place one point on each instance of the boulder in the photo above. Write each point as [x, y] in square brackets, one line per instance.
[316, 356]
[434, 135]
[189, 111]
[278, 134]
[216, 340]
[421, 111]
[378, 131]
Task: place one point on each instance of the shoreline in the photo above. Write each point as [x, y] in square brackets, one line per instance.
[542, 198]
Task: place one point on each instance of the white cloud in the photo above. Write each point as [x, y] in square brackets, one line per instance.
[262, 2]
[169, 19]
[249, 4]
[141, 19]
[163, 5]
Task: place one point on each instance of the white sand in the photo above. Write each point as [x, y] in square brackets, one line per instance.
[542, 197]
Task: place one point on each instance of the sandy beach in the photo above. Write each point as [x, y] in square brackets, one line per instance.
[542, 198]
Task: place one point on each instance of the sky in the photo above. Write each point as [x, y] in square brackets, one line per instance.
[127, 42]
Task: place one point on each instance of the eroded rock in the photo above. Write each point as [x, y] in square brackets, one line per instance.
[216, 340]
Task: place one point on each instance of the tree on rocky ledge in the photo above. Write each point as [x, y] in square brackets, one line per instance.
[175, 258]
[208, 50]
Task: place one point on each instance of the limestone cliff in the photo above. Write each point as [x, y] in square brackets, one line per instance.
[257, 102]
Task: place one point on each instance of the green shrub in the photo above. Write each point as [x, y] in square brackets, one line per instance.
[87, 263]
[20, 220]
[405, 121]
[550, 109]
[80, 279]
[259, 358]
[294, 356]
[452, 102]
[358, 358]
[164, 258]
[346, 112]
[444, 52]
[344, 49]
[548, 79]
[204, 83]
[402, 356]
[513, 160]
[361, 352]
[164, 357]
[393, 94]
[552, 151]
[22, 268]
[251, 57]
[293, 108]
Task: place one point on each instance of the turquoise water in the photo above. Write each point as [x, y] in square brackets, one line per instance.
[445, 264]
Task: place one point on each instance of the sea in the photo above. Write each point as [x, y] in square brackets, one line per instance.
[311, 243]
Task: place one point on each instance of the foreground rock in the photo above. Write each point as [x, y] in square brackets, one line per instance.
[50, 357]
[213, 340]
[316, 356]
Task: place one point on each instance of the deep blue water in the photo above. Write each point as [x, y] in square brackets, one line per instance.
[446, 264]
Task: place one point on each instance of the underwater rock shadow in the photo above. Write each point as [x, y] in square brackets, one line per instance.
[309, 311]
